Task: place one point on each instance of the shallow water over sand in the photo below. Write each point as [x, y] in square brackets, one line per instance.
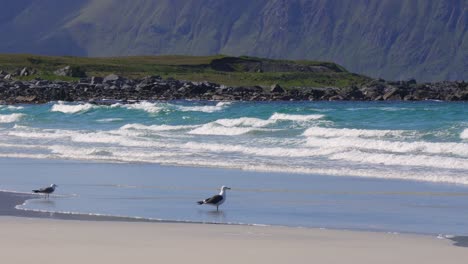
[170, 193]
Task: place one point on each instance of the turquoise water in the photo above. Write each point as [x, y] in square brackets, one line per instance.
[340, 145]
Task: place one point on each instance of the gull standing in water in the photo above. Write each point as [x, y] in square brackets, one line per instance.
[47, 190]
[216, 200]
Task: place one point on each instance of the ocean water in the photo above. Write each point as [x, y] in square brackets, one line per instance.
[345, 147]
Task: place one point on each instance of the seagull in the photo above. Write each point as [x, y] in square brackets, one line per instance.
[47, 190]
[216, 200]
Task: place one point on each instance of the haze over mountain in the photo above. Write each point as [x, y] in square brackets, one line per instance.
[393, 39]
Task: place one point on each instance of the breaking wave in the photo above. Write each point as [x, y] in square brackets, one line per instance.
[460, 149]
[71, 109]
[347, 132]
[204, 108]
[219, 130]
[248, 138]
[244, 122]
[402, 160]
[148, 107]
[11, 107]
[279, 116]
[464, 134]
[156, 127]
[11, 118]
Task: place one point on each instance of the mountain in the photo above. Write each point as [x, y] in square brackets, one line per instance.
[392, 39]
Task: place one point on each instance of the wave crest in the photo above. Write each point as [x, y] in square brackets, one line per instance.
[301, 118]
[244, 122]
[148, 107]
[204, 108]
[11, 118]
[71, 109]
[155, 127]
[219, 130]
[351, 132]
[464, 134]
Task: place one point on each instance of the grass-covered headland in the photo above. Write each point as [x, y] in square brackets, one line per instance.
[41, 79]
[230, 71]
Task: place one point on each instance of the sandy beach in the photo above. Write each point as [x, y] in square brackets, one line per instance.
[27, 240]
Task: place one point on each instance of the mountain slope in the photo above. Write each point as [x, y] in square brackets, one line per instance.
[394, 39]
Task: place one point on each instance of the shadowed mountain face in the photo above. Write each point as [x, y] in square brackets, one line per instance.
[393, 39]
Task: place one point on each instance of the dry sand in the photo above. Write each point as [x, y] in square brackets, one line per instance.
[26, 240]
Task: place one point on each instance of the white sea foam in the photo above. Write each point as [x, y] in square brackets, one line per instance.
[215, 129]
[344, 143]
[348, 132]
[156, 127]
[152, 108]
[120, 138]
[112, 154]
[11, 118]
[402, 160]
[280, 116]
[204, 108]
[109, 120]
[256, 151]
[244, 122]
[34, 133]
[464, 134]
[72, 109]
[25, 156]
[97, 137]
[11, 107]
[433, 175]
[244, 125]
[22, 146]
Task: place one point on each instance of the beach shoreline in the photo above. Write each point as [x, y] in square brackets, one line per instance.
[82, 238]
[333, 203]
[132, 242]
[10, 200]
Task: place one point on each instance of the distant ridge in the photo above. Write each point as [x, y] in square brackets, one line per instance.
[393, 39]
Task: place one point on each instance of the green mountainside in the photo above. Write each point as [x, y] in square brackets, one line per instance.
[393, 39]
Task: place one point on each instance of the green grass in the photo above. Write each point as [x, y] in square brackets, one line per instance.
[193, 68]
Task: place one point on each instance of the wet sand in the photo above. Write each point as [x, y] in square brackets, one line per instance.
[25, 240]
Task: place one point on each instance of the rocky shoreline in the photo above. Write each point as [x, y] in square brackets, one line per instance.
[114, 87]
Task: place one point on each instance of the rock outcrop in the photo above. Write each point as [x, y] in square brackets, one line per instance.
[114, 87]
[70, 72]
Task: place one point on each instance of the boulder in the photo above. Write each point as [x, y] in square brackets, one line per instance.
[336, 98]
[25, 72]
[351, 93]
[275, 88]
[112, 78]
[71, 72]
[25, 99]
[96, 80]
[42, 82]
[392, 94]
[63, 71]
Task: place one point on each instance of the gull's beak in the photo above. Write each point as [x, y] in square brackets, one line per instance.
[227, 188]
